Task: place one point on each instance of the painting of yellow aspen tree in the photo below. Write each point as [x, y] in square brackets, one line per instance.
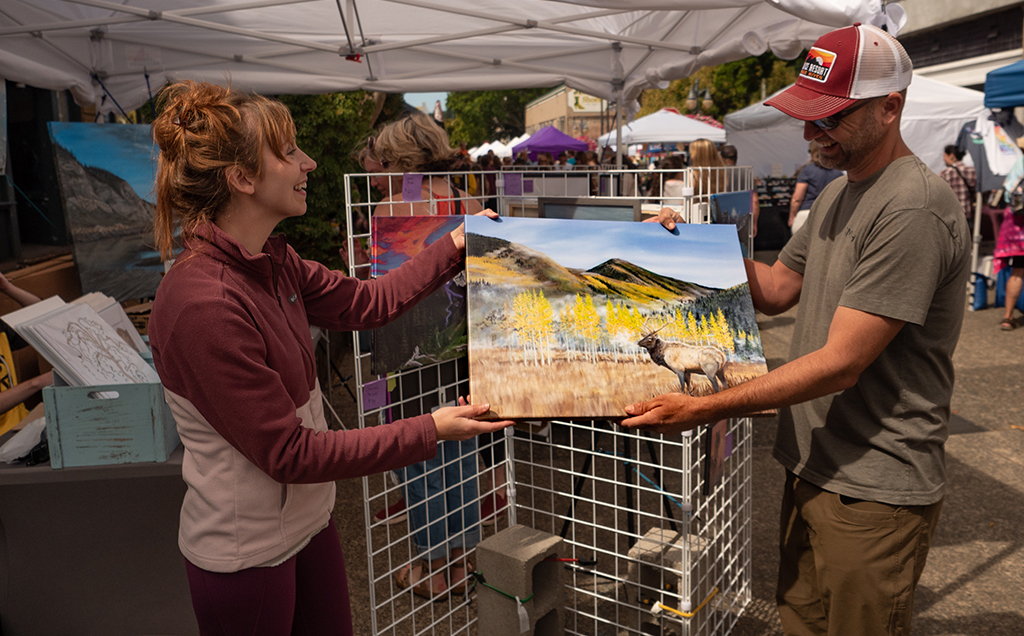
[574, 319]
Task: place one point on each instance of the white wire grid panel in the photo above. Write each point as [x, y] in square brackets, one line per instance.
[634, 509]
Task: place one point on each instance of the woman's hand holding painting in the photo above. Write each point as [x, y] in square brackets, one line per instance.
[457, 423]
[459, 233]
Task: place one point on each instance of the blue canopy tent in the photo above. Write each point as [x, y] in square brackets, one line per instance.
[1004, 87]
[548, 139]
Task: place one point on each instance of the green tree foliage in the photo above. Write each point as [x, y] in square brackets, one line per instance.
[329, 128]
[479, 116]
[733, 86]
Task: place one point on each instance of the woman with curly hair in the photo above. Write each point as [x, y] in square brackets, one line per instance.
[230, 338]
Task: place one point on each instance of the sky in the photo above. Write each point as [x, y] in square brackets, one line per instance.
[121, 149]
[418, 99]
[708, 255]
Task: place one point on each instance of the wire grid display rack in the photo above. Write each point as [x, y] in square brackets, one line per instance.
[655, 546]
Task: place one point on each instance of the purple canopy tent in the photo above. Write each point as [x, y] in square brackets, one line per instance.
[549, 139]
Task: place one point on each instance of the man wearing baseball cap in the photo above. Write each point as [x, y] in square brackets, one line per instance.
[880, 270]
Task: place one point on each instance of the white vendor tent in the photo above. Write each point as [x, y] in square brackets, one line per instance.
[479, 151]
[105, 51]
[501, 150]
[932, 118]
[664, 126]
[515, 141]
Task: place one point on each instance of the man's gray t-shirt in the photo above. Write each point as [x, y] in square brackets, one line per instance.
[894, 245]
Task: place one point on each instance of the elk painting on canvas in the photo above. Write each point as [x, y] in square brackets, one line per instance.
[576, 319]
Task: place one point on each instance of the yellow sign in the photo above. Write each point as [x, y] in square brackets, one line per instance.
[7, 380]
[583, 103]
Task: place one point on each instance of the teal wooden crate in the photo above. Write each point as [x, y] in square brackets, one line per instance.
[109, 424]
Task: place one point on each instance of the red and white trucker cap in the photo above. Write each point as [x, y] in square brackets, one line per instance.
[856, 62]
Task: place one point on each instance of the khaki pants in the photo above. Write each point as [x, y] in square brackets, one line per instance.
[849, 567]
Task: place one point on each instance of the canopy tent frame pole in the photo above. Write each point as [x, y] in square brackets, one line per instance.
[975, 241]
[551, 25]
[618, 84]
[643, 60]
[455, 37]
[38, 29]
[490, 62]
[211, 26]
[619, 97]
[139, 17]
[268, 61]
[486, 61]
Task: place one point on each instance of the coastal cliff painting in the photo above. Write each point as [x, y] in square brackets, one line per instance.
[106, 174]
[434, 329]
[577, 319]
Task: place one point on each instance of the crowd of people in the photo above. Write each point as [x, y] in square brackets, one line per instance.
[878, 261]
[1009, 236]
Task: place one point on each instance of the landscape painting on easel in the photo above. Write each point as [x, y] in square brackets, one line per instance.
[435, 328]
[106, 174]
[577, 319]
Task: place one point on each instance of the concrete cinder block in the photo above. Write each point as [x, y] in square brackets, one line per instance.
[513, 561]
[657, 563]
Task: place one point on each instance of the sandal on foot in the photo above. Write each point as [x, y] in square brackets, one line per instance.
[460, 574]
[1008, 324]
[433, 586]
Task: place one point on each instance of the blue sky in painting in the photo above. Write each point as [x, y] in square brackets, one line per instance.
[708, 255]
[125, 150]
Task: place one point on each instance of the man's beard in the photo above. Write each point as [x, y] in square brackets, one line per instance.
[860, 144]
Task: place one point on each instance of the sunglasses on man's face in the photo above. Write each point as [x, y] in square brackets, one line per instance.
[832, 122]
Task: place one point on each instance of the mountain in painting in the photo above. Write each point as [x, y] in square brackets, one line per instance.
[99, 203]
[506, 264]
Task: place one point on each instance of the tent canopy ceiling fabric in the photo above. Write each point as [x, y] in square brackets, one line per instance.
[1004, 87]
[607, 48]
[664, 126]
[932, 118]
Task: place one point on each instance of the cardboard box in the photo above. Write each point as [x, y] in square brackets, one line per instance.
[55, 277]
[109, 424]
[139, 315]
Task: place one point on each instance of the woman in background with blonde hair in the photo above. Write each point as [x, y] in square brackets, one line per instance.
[703, 154]
[810, 181]
[415, 144]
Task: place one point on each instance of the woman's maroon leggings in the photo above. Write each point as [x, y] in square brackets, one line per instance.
[305, 595]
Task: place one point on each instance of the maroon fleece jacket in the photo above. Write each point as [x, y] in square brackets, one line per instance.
[230, 338]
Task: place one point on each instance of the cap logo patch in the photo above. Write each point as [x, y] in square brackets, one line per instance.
[818, 64]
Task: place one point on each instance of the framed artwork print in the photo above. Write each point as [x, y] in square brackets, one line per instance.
[589, 208]
[576, 319]
[731, 207]
[435, 328]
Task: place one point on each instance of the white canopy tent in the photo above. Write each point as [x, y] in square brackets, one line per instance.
[479, 151]
[512, 143]
[664, 126]
[501, 150]
[106, 52]
[932, 118]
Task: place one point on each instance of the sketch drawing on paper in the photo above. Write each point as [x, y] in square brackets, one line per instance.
[435, 329]
[577, 319]
[90, 348]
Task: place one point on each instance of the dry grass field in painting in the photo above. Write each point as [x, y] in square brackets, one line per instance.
[600, 388]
